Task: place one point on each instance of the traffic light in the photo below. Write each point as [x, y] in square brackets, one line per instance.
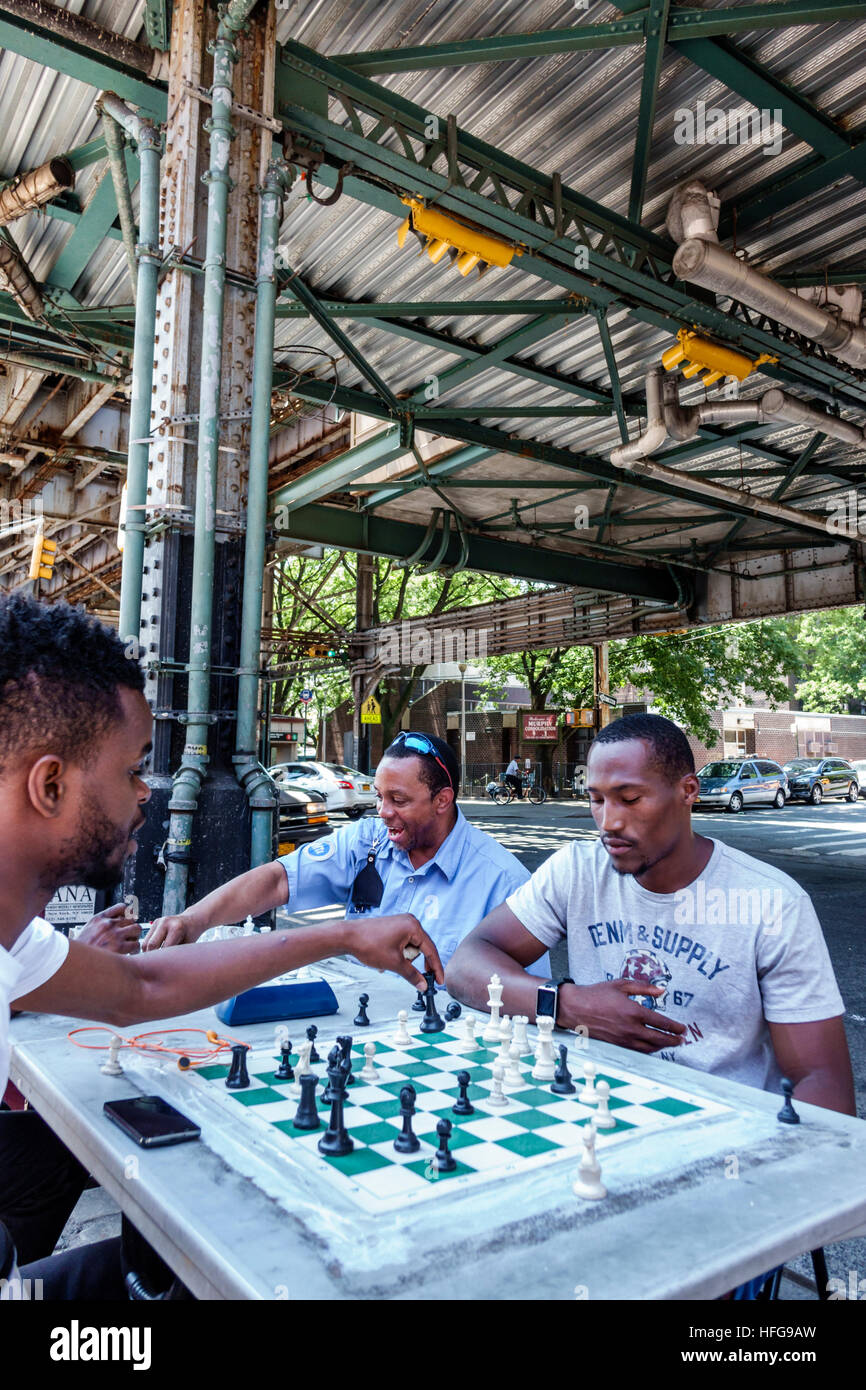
[43, 557]
[318, 650]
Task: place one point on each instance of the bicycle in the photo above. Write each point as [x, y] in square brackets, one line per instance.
[502, 793]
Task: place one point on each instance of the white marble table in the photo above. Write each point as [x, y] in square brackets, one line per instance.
[689, 1214]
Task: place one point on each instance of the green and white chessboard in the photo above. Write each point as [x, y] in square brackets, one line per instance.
[537, 1128]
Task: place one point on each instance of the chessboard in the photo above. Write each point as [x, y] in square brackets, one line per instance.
[534, 1130]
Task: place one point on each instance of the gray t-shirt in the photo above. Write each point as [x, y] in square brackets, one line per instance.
[739, 947]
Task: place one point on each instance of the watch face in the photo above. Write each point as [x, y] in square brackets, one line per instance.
[545, 1003]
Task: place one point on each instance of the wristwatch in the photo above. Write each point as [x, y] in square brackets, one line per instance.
[547, 998]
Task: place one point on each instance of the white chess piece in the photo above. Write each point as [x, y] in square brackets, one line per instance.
[111, 1066]
[513, 1078]
[302, 1068]
[520, 1035]
[369, 1072]
[505, 1028]
[249, 925]
[496, 1096]
[588, 1183]
[588, 1095]
[469, 1042]
[401, 1037]
[494, 1003]
[603, 1119]
[545, 1066]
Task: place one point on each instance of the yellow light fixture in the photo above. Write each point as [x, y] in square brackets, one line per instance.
[446, 234]
[717, 361]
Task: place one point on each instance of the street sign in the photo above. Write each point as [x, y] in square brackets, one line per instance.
[606, 700]
[371, 712]
[306, 696]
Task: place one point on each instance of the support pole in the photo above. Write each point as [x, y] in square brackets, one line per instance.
[183, 803]
[117, 165]
[601, 684]
[147, 138]
[247, 768]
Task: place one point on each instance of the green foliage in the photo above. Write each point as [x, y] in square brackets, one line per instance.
[832, 650]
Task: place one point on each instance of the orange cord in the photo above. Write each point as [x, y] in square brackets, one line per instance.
[195, 1056]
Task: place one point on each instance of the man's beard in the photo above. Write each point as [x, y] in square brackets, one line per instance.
[85, 861]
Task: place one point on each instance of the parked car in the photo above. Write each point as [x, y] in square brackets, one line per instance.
[860, 768]
[303, 816]
[813, 779]
[344, 788]
[734, 784]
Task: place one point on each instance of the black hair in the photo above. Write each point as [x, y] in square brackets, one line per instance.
[431, 774]
[60, 670]
[671, 752]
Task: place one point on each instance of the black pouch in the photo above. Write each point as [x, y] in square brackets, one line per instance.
[368, 888]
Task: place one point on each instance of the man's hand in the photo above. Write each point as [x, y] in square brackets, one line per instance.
[390, 943]
[112, 930]
[612, 1016]
[170, 931]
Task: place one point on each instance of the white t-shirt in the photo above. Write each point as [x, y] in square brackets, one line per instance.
[38, 954]
[512, 768]
[741, 946]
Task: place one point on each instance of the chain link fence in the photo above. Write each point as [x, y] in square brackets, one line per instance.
[567, 780]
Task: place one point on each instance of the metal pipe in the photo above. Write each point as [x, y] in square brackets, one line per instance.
[147, 138]
[701, 261]
[114, 144]
[30, 191]
[189, 778]
[778, 405]
[247, 767]
[45, 364]
[15, 276]
[655, 433]
[70, 26]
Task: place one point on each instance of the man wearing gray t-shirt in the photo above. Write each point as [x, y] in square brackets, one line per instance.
[677, 944]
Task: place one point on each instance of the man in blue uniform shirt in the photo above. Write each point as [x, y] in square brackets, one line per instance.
[419, 855]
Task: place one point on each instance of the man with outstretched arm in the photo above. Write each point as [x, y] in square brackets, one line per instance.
[75, 733]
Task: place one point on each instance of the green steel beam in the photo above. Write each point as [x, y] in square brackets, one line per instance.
[613, 371]
[157, 22]
[421, 308]
[15, 322]
[494, 356]
[685, 24]
[797, 467]
[508, 412]
[331, 476]
[435, 473]
[656, 25]
[39, 44]
[774, 196]
[93, 226]
[82, 155]
[374, 535]
[795, 278]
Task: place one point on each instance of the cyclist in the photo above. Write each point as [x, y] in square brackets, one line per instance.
[512, 777]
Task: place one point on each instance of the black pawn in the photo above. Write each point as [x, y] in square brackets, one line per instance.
[285, 1071]
[346, 1059]
[432, 1022]
[788, 1114]
[336, 1141]
[445, 1160]
[307, 1116]
[238, 1077]
[420, 1002]
[312, 1031]
[562, 1082]
[453, 1011]
[334, 1060]
[463, 1105]
[361, 1020]
[407, 1142]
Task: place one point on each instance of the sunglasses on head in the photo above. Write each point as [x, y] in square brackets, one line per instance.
[419, 743]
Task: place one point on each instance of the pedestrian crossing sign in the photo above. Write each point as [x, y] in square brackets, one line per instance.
[371, 712]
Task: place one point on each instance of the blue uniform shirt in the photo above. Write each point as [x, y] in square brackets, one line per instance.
[467, 877]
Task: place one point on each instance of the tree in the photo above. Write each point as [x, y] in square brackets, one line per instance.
[832, 650]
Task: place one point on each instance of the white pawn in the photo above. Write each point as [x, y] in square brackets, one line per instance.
[494, 1003]
[588, 1095]
[520, 1035]
[249, 926]
[302, 1067]
[505, 1029]
[111, 1066]
[505, 1044]
[496, 1096]
[513, 1078]
[401, 1037]
[369, 1072]
[469, 1042]
[603, 1119]
[588, 1183]
[545, 1067]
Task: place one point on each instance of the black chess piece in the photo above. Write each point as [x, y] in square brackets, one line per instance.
[420, 1003]
[285, 1071]
[463, 1105]
[445, 1160]
[407, 1142]
[453, 1011]
[307, 1116]
[312, 1032]
[346, 1059]
[336, 1141]
[788, 1114]
[238, 1077]
[361, 1019]
[562, 1082]
[432, 1022]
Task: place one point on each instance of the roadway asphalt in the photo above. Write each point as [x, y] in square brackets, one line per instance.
[822, 847]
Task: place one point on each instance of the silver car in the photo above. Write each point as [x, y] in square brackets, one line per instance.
[344, 788]
[734, 784]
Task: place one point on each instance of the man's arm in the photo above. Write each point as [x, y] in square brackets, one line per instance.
[501, 945]
[123, 990]
[815, 1057]
[248, 895]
